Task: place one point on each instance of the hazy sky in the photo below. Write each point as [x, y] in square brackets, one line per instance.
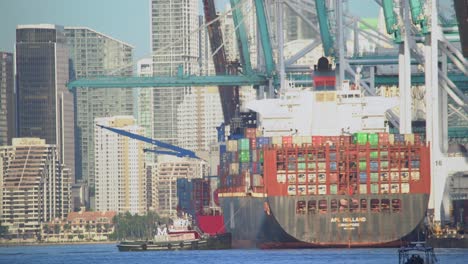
[126, 20]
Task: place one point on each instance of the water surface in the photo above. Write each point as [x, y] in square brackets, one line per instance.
[108, 254]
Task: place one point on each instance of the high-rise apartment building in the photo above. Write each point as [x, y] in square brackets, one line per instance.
[174, 44]
[7, 99]
[35, 186]
[120, 171]
[45, 105]
[197, 118]
[145, 98]
[167, 170]
[95, 54]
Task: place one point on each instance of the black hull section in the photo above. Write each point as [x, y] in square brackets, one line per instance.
[273, 223]
[223, 241]
[448, 242]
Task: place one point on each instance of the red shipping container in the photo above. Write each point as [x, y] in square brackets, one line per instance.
[417, 139]
[317, 140]
[333, 178]
[345, 140]
[287, 140]
[250, 132]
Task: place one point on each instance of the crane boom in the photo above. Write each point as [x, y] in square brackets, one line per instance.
[176, 151]
[229, 94]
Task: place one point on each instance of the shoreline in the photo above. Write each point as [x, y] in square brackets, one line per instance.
[15, 243]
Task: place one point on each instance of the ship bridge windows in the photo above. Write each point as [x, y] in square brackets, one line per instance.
[323, 206]
[333, 206]
[312, 206]
[375, 205]
[396, 205]
[354, 205]
[363, 203]
[385, 205]
[344, 204]
[301, 207]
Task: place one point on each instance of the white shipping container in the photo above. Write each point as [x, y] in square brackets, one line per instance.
[363, 188]
[405, 188]
[234, 169]
[306, 140]
[312, 189]
[257, 180]
[415, 176]
[297, 140]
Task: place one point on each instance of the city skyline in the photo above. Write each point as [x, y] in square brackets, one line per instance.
[89, 13]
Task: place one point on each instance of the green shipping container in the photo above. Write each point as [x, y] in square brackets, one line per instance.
[333, 188]
[362, 165]
[374, 155]
[360, 138]
[374, 188]
[261, 156]
[243, 144]
[383, 165]
[244, 156]
[301, 166]
[373, 139]
[374, 177]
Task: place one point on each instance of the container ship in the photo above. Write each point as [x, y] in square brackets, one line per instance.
[318, 169]
[195, 198]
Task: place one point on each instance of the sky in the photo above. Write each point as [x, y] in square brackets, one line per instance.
[126, 20]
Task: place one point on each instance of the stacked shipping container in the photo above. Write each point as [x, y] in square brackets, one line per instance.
[365, 163]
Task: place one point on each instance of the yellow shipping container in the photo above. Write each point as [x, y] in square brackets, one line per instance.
[277, 140]
[409, 138]
[231, 145]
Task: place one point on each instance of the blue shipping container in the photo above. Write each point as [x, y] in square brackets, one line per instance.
[263, 141]
[363, 177]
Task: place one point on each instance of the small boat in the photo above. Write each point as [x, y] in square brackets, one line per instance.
[417, 253]
[179, 238]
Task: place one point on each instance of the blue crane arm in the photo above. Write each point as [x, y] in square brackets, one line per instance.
[175, 149]
[165, 152]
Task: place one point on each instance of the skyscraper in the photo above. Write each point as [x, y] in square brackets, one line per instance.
[7, 99]
[145, 98]
[120, 170]
[45, 105]
[35, 195]
[95, 54]
[198, 116]
[174, 44]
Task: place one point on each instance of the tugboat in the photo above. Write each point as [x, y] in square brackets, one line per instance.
[178, 237]
[417, 253]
